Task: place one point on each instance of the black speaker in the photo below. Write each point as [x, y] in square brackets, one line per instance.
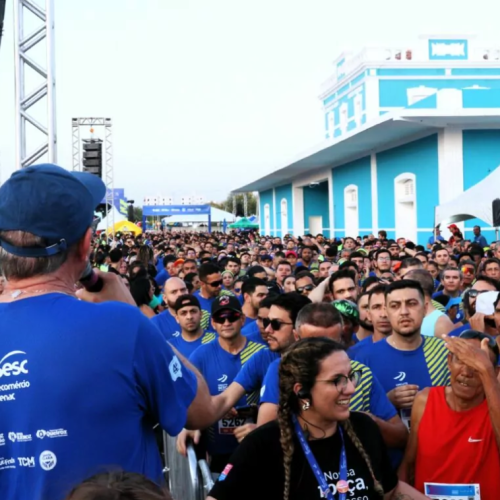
[92, 156]
[495, 206]
[130, 213]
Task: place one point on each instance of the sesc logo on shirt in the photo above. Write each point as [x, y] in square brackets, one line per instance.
[175, 368]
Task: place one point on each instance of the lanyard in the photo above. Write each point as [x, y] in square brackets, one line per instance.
[342, 485]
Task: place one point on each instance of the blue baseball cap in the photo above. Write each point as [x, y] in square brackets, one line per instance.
[51, 203]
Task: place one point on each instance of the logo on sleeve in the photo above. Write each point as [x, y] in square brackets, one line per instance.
[48, 460]
[225, 472]
[175, 368]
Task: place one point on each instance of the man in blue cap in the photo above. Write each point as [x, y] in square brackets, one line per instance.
[81, 384]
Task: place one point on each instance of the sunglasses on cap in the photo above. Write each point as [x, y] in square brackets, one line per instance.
[276, 324]
[231, 316]
[306, 288]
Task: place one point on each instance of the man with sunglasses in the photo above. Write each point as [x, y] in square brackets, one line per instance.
[304, 283]
[455, 431]
[211, 287]
[219, 362]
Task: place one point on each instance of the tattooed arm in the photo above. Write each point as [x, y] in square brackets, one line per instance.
[404, 491]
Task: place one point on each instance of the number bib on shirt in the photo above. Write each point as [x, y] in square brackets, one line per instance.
[438, 491]
[228, 425]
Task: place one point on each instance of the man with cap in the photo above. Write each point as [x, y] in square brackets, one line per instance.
[188, 313]
[219, 362]
[90, 375]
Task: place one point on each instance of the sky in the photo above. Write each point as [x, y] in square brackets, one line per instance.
[208, 95]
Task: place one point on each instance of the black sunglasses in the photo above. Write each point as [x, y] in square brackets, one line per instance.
[214, 284]
[276, 324]
[474, 293]
[306, 288]
[231, 316]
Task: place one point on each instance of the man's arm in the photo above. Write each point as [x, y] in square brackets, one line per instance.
[267, 413]
[492, 391]
[404, 491]
[444, 325]
[406, 470]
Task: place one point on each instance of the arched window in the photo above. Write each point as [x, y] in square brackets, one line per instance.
[284, 217]
[267, 219]
[405, 210]
[351, 211]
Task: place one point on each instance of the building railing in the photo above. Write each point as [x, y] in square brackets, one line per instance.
[187, 477]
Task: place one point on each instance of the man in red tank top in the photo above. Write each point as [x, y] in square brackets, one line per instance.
[454, 444]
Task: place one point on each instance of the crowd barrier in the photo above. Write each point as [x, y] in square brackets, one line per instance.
[187, 477]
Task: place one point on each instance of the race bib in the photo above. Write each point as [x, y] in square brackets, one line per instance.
[438, 491]
[228, 425]
[406, 417]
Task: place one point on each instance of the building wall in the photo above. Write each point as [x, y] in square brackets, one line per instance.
[283, 193]
[421, 159]
[316, 204]
[481, 155]
[357, 173]
[266, 197]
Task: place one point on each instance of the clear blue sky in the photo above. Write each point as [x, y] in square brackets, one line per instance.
[207, 95]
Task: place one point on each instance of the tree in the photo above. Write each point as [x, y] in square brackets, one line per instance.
[138, 213]
[227, 205]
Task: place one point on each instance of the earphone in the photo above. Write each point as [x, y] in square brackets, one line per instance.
[303, 394]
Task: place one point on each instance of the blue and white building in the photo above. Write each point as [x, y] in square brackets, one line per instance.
[407, 129]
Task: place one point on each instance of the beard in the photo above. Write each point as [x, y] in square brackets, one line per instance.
[366, 326]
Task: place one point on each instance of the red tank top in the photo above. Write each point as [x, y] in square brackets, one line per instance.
[457, 447]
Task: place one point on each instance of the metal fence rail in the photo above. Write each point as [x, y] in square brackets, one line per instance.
[187, 477]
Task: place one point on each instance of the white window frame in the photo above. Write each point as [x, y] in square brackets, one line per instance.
[405, 217]
[351, 211]
[267, 219]
[284, 216]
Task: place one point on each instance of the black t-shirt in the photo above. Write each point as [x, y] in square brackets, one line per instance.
[255, 471]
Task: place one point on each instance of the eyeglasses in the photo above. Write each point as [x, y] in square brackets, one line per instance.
[306, 288]
[231, 316]
[340, 381]
[214, 284]
[474, 293]
[276, 324]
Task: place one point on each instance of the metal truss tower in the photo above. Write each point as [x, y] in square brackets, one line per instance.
[26, 123]
[108, 174]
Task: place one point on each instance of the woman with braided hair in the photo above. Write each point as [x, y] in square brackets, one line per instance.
[317, 448]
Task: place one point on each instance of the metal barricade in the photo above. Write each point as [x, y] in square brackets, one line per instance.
[181, 473]
[207, 481]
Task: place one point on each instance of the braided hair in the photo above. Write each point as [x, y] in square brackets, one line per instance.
[301, 364]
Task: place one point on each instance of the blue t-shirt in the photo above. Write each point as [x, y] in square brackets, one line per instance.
[426, 366]
[186, 347]
[459, 330]
[166, 323]
[249, 321]
[219, 368]
[251, 376]
[206, 311]
[357, 348]
[82, 386]
[369, 396]
[252, 332]
[162, 277]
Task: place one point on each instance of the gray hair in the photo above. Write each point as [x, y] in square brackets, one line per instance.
[14, 267]
[321, 314]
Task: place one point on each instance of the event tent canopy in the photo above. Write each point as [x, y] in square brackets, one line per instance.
[216, 215]
[244, 223]
[104, 223]
[474, 203]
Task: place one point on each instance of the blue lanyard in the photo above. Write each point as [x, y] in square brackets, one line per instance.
[342, 485]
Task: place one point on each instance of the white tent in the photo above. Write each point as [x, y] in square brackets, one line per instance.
[475, 203]
[217, 215]
[104, 224]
